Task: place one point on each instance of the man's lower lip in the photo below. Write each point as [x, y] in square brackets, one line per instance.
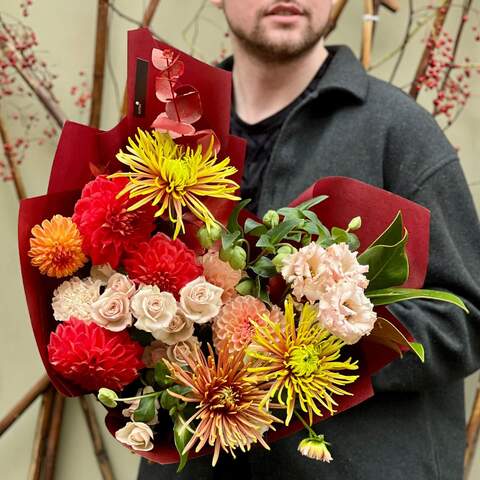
[284, 17]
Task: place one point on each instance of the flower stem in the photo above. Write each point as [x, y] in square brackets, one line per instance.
[146, 395]
[305, 424]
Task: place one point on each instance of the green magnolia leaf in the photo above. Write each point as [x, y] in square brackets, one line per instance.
[387, 334]
[291, 213]
[146, 410]
[229, 239]
[162, 375]
[264, 267]
[393, 234]
[388, 264]
[181, 435]
[254, 228]
[233, 225]
[386, 296]
[294, 236]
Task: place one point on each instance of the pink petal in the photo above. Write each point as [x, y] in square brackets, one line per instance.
[176, 129]
[162, 58]
[163, 89]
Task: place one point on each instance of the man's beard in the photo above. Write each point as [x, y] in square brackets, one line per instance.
[260, 46]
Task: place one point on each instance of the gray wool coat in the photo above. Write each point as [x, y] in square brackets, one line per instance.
[357, 126]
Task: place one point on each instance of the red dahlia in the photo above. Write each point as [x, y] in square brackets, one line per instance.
[107, 228]
[168, 263]
[94, 357]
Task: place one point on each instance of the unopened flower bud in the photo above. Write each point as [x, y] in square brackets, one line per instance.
[108, 397]
[207, 237]
[287, 249]
[238, 258]
[277, 260]
[355, 224]
[271, 219]
[225, 254]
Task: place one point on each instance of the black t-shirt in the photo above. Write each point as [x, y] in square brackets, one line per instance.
[261, 138]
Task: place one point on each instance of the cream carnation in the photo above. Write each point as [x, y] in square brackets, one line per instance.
[112, 311]
[200, 300]
[74, 298]
[343, 264]
[179, 329]
[121, 283]
[152, 308]
[137, 435]
[346, 312]
[221, 274]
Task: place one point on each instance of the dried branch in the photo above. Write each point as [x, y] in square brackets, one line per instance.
[10, 156]
[23, 404]
[99, 65]
[440, 18]
[404, 43]
[98, 446]
[41, 431]
[337, 11]
[54, 436]
[473, 429]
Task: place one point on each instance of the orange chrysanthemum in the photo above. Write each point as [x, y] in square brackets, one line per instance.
[56, 247]
[228, 410]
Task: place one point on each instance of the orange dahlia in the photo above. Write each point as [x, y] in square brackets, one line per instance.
[56, 247]
[228, 413]
[233, 327]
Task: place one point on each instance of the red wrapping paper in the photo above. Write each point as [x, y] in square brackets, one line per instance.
[80, 146]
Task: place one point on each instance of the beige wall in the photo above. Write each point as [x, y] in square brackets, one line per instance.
[66, 34]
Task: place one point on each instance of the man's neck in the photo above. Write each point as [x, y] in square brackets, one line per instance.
[263, 89]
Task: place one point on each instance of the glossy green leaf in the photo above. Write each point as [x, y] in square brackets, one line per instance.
[162, 375]
[387, 296]
[387, 334]
[393, 233]
[181, 435]
[146, 409]
[307, 205]
[229, 239]
[388, 264]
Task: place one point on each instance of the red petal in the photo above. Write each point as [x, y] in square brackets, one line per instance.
[174, 71]
[163, 89]
[187, 103]
[204, 137]
[174, 128]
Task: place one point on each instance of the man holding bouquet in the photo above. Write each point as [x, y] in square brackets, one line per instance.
[308, 111]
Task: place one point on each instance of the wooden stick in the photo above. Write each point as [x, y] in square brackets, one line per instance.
[23, 404]
[337, 11]
[96, 437]
[54, 436]
[367, 32]
[99, 64]
[473, 429]
[438, 23]
[39, 441]
[9, 155]
[146, 21]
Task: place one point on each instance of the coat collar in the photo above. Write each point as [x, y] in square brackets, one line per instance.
[344, 74]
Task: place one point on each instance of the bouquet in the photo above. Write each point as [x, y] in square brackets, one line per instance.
[201, 328]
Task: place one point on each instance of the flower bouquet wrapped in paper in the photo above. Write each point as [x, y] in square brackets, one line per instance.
[201, 328]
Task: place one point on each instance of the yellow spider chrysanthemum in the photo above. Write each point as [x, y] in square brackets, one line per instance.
[174, 177]
[302, 361]
[56, 247]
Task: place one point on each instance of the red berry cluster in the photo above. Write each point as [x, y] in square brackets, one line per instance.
[449, 79]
